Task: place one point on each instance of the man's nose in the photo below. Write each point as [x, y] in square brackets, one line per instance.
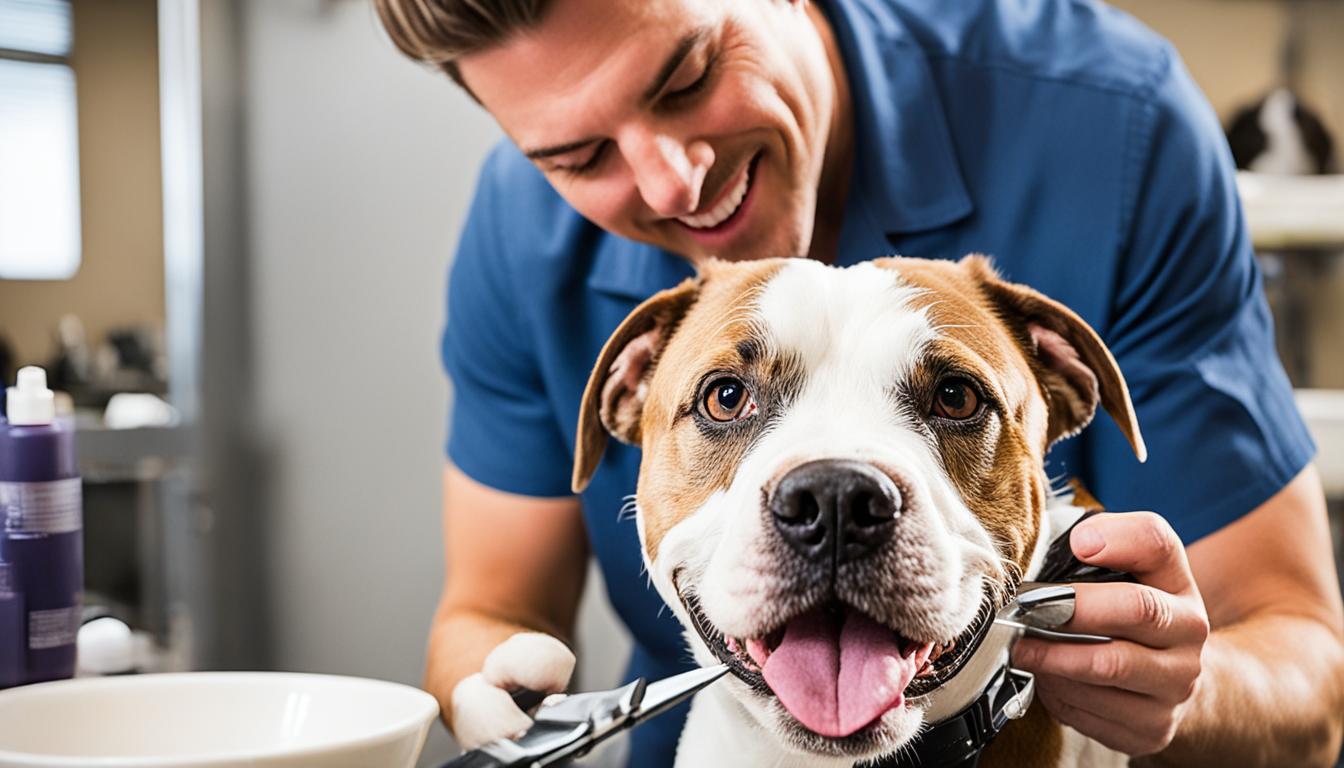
[669, 172]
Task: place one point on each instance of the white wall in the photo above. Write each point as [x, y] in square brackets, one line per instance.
[359, 168]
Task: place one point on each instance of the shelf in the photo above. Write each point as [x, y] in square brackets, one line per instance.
[1293, 212]
[1324, 411]
[117, 455]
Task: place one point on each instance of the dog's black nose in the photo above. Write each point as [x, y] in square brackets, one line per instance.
[834, 510]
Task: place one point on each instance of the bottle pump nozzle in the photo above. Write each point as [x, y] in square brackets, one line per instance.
[30, 403]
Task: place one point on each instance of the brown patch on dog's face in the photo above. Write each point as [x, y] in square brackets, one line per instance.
[687, 454]
[993, 458]
[1034, 363]
[658, 368]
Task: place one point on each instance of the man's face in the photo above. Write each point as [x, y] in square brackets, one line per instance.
[699, 126]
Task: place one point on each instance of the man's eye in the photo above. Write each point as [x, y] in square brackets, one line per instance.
[695, 87]
[955, 398]
[588, 165]
[727, 399]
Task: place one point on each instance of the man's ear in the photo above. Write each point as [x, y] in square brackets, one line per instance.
[1074, 367]
[613, 401]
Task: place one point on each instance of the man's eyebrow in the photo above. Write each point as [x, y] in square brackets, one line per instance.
[559, 149]
[669, 68]
[679, 55]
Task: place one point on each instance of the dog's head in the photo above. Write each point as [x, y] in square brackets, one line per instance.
[842, 471]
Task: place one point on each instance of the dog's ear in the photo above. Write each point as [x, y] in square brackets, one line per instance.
[1075, 368]
[613, 401]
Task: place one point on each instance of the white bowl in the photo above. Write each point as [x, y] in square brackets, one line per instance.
[215, 719]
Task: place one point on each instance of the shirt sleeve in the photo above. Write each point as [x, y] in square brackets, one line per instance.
[502, 430]
[1192, 333]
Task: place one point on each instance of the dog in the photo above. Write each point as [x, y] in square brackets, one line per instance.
[1279, 134]
[842, 479]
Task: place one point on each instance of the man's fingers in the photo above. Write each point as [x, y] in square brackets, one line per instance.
[1169, 677]
[1137, 612]
[1140, 543]
[530, 660]
[1134, 712]
[483, 712]
[1120, 720]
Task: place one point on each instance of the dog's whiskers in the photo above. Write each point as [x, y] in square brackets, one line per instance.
[1002, 591]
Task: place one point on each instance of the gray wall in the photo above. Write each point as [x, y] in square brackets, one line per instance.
[359, 168]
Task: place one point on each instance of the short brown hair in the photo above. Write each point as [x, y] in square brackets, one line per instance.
[438, 32]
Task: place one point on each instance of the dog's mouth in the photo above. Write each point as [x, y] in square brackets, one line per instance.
[835, 669]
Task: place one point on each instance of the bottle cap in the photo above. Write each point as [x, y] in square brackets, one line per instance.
[30, 403]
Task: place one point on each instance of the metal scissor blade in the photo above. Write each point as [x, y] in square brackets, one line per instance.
[596, 707]
[665, 694]
[599, 713]
[1041, 633]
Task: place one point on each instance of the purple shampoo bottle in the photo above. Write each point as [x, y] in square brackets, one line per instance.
[41, 537]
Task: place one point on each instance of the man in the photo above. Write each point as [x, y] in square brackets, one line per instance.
[1059, 137]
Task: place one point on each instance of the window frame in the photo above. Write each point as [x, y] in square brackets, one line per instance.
[71, 268]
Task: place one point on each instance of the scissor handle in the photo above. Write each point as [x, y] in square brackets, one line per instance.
[527, 699]
[1061, 567]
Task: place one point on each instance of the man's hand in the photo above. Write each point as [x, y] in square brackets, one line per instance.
[484, 711]
[1130, 694]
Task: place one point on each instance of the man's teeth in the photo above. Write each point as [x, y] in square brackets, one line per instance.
[726, 207]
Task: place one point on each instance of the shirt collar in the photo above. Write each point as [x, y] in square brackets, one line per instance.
[906, 176]
[905, 169]
[635, 271]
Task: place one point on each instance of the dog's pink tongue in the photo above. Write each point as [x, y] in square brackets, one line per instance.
[838, 673]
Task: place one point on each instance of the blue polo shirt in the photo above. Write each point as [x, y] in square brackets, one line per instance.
[1060, 137]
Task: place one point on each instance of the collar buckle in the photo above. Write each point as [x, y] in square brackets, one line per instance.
[958, 741]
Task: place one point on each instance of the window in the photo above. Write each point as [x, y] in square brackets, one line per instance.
[39, 150]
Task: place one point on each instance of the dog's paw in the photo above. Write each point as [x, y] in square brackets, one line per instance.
[482, 708]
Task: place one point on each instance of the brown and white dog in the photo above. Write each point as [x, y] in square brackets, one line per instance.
[842, 478]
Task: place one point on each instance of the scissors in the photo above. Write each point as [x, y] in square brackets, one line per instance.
[567, 727]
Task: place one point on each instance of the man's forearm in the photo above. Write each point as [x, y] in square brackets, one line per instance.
[1271, 693]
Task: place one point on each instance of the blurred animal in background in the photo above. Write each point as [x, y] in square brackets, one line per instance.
[1279, 134]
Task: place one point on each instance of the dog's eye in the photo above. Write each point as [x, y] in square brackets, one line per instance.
[727, 399]
[955, 399]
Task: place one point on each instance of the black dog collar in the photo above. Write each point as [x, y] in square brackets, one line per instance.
[958, 741]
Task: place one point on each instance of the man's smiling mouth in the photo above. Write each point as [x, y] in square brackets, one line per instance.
[729, 202]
